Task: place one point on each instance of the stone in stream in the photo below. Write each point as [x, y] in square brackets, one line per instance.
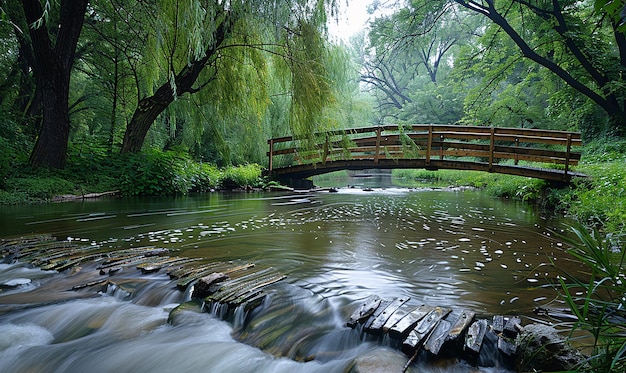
[541, 347]
[380, 360]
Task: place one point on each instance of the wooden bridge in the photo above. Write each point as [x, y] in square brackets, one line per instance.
[543, 154]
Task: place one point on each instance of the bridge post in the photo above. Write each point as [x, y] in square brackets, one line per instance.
[377, 155]
[492, 144]
[429, 144]
[569, 149]
[326, 146]
[271, 142]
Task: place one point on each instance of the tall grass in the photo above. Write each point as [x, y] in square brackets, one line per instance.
[598, 299]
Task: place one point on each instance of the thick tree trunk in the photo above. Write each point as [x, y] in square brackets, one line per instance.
[51, 146]
[52, 70]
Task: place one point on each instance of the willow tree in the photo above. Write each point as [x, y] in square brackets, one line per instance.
[192, 45]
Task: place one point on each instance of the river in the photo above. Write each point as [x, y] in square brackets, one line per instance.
[446, 247]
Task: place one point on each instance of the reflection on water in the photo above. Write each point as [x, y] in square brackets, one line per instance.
[456, 248]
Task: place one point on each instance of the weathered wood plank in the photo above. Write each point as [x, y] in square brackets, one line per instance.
[400, 313]
[377, 324]
[512, 327]
[381, 308]
[498, 324]
[506, 346]
[423, 328]
[475, 335]
[461, 324]
[438, 337]
[402, 328]
[364, 310]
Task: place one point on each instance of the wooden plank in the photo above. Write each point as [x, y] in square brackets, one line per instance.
[475, 335]
[256, 289]
[498, 324]
[512, 327]
[461, 324]
[506, 346]
[423, 328]
[381, 308]
[438, 337]
[400, 313]
[377, 324]
[364, 310]
[402, 328]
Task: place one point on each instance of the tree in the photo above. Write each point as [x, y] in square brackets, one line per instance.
[191, 42]
[574, 40]
[409, 60]
[53, 46]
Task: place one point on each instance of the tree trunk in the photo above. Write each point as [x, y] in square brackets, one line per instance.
[149, 108]
[52, 70]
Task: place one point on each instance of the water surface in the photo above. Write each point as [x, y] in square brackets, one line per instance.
[456, 248]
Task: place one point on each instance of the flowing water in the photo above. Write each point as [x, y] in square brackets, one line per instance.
[455, 248]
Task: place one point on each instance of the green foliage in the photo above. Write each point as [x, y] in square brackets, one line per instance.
[39, 187]
[242, 176]
[600, 200]
[596, 297]
[505, 186]
[156, 173]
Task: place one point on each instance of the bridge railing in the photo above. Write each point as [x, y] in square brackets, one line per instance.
[490, 144]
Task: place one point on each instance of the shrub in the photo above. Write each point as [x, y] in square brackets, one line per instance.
[156, 173]
[242, 176]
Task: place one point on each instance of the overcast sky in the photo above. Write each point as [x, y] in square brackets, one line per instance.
[352, 19]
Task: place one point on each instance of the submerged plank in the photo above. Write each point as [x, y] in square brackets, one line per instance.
[437, 338]
[381, 308]
[423, 328]
[400, 313]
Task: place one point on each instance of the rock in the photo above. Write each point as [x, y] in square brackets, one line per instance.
[204, 287]
[380, 360]
[541, 348]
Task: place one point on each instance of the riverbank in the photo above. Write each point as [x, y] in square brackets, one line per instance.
[598, 202]
[152, 173]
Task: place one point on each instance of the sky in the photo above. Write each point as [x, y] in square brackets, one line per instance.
[352, 19]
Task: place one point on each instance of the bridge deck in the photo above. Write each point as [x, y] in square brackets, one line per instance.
[545, 154]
